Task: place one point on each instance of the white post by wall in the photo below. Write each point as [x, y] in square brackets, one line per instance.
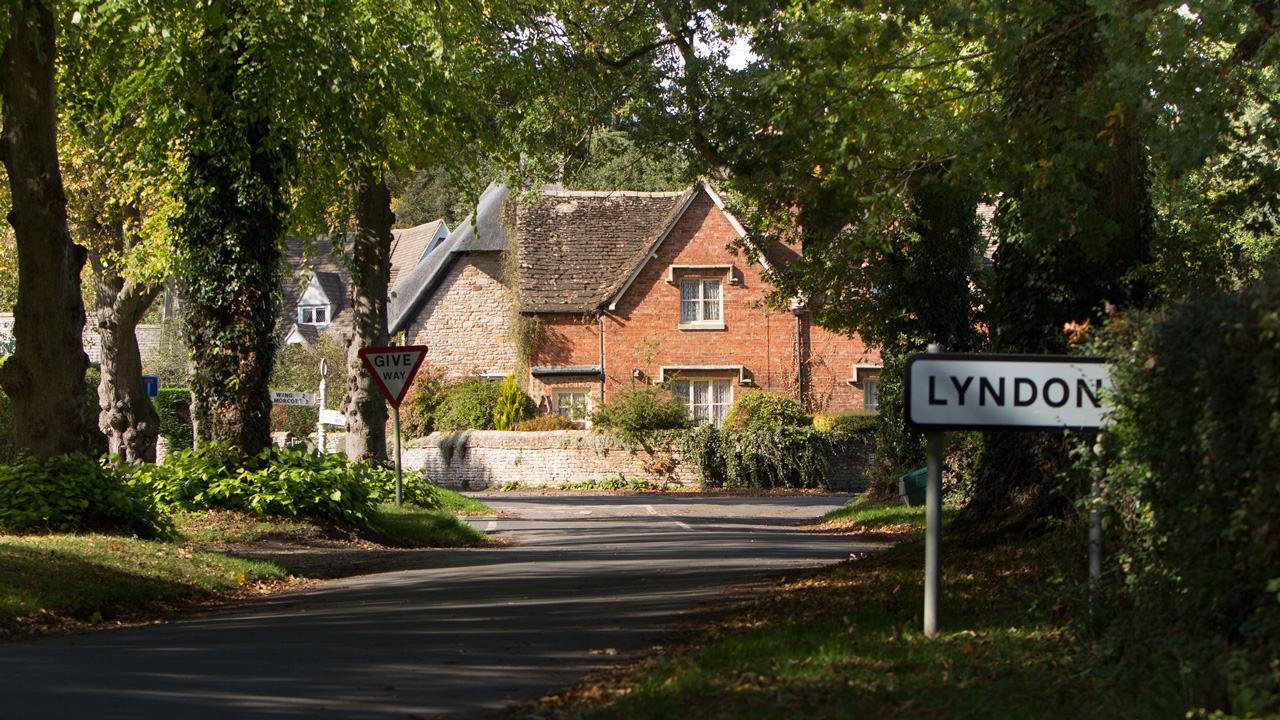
[933, 526]
[320, 440]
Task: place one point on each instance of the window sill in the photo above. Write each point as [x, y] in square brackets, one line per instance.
[702, 326]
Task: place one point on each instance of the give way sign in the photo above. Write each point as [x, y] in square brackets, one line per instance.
[393, 368]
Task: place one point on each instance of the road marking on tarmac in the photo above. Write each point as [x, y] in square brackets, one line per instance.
[655, 512]
[492, 527]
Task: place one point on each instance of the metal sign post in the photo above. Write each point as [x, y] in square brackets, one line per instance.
[320, 438]
[948, 391]
[393, 369]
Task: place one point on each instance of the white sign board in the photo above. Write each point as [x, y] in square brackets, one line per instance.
[333, 417]
[284, 397]
[947, 391]
[393, 368]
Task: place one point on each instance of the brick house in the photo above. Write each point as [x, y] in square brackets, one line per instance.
[607, 289]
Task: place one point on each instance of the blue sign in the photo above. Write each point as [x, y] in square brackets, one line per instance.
[152, 384]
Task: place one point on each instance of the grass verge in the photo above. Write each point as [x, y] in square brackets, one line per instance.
[53, 581]
[846, 641]
[412, 527]
[881, 516]
[460, 504]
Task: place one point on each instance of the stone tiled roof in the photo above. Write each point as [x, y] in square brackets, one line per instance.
[482, 232]
[334, 278]
[409, 245]
[577, 248]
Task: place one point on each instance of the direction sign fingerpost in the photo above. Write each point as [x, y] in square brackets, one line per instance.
[393, 369]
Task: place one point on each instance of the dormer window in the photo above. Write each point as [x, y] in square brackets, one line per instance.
[313, 314]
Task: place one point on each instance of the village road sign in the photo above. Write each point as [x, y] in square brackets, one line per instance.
[151, 384]
[333, 417]
[285, 397]
[393, 368]
[953, 391]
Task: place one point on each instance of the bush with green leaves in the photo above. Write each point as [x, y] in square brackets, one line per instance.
[297, 419]
[513, 405]
[858, 422]
[95, 438]
[640, 410]
[415, 489]
[173, 405]
[418, 410]
[468, 406]
[762, 457]
[1193, 481]
[289, 482]
[763, 409]
[76, 493]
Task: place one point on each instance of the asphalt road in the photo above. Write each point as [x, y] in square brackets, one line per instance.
[587, 578]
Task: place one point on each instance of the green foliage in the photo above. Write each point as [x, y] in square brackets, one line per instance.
[297, 369]
[513, 405]
[1193, 477]
[96, 439]
[611, 160]
[639, 410]
[173, 405]
[469, 406]
[761, 457]
[75, 493]
[762, 409]
[553, 421]
[415, 489]
[290, 482]
[857, 422]
[8, 448]
[300, 420]
[418, 411]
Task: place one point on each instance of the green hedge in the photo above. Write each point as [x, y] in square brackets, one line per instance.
[762, 457]
[762, 409]
[468, 406]
[74, 493]
[291, 482]
[1193, 483]
[173, 405]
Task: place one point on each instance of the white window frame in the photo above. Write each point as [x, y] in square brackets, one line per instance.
[581, 416]
[711, 412]
[871, 393]
[703, 306]
[302, 310]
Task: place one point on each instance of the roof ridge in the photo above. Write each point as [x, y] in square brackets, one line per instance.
[612, 193]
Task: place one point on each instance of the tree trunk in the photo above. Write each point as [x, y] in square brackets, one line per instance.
[230, 230]
[127, 416]
[364, 405]
[44, 377]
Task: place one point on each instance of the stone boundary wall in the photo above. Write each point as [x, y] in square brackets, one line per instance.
[492, 459]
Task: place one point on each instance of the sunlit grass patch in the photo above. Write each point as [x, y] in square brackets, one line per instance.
[891, 516]
[411, 527]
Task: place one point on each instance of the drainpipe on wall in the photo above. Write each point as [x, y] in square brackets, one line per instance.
[600, 323]
[797, 309]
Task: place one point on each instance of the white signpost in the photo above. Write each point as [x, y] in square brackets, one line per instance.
[393, 369]
[285, 397]
[943, 391]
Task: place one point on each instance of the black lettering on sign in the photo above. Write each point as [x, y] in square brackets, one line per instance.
[961, 389]
[933, 397]
[380, 360]
[984, 387]
[1018, 385]
[1066, 392]
[1082, 390]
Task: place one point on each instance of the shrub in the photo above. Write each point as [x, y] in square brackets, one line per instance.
[173, 405]
[297, 419]
[1194, 479]
[418, 410]
[858, 422]
[289, 482]
[513, 405]
[762, 409]
[468, 406]
[761, 457]
[95, 437]
[545, 422]
[8, 447]
[72, 493]
[641, 410]
[415, 489]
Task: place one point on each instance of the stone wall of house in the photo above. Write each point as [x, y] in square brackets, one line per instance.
[149, 337]
[493, 459]
[466, 321]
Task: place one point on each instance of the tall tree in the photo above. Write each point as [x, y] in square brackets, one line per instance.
[45, 375]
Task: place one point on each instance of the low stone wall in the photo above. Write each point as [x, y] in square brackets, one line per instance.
[492, 459]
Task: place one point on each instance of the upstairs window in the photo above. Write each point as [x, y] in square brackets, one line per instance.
[708, 400]
[871, 393]
[700, 301]
[313, 314]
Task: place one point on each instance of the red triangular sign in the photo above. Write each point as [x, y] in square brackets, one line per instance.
[393, 368]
